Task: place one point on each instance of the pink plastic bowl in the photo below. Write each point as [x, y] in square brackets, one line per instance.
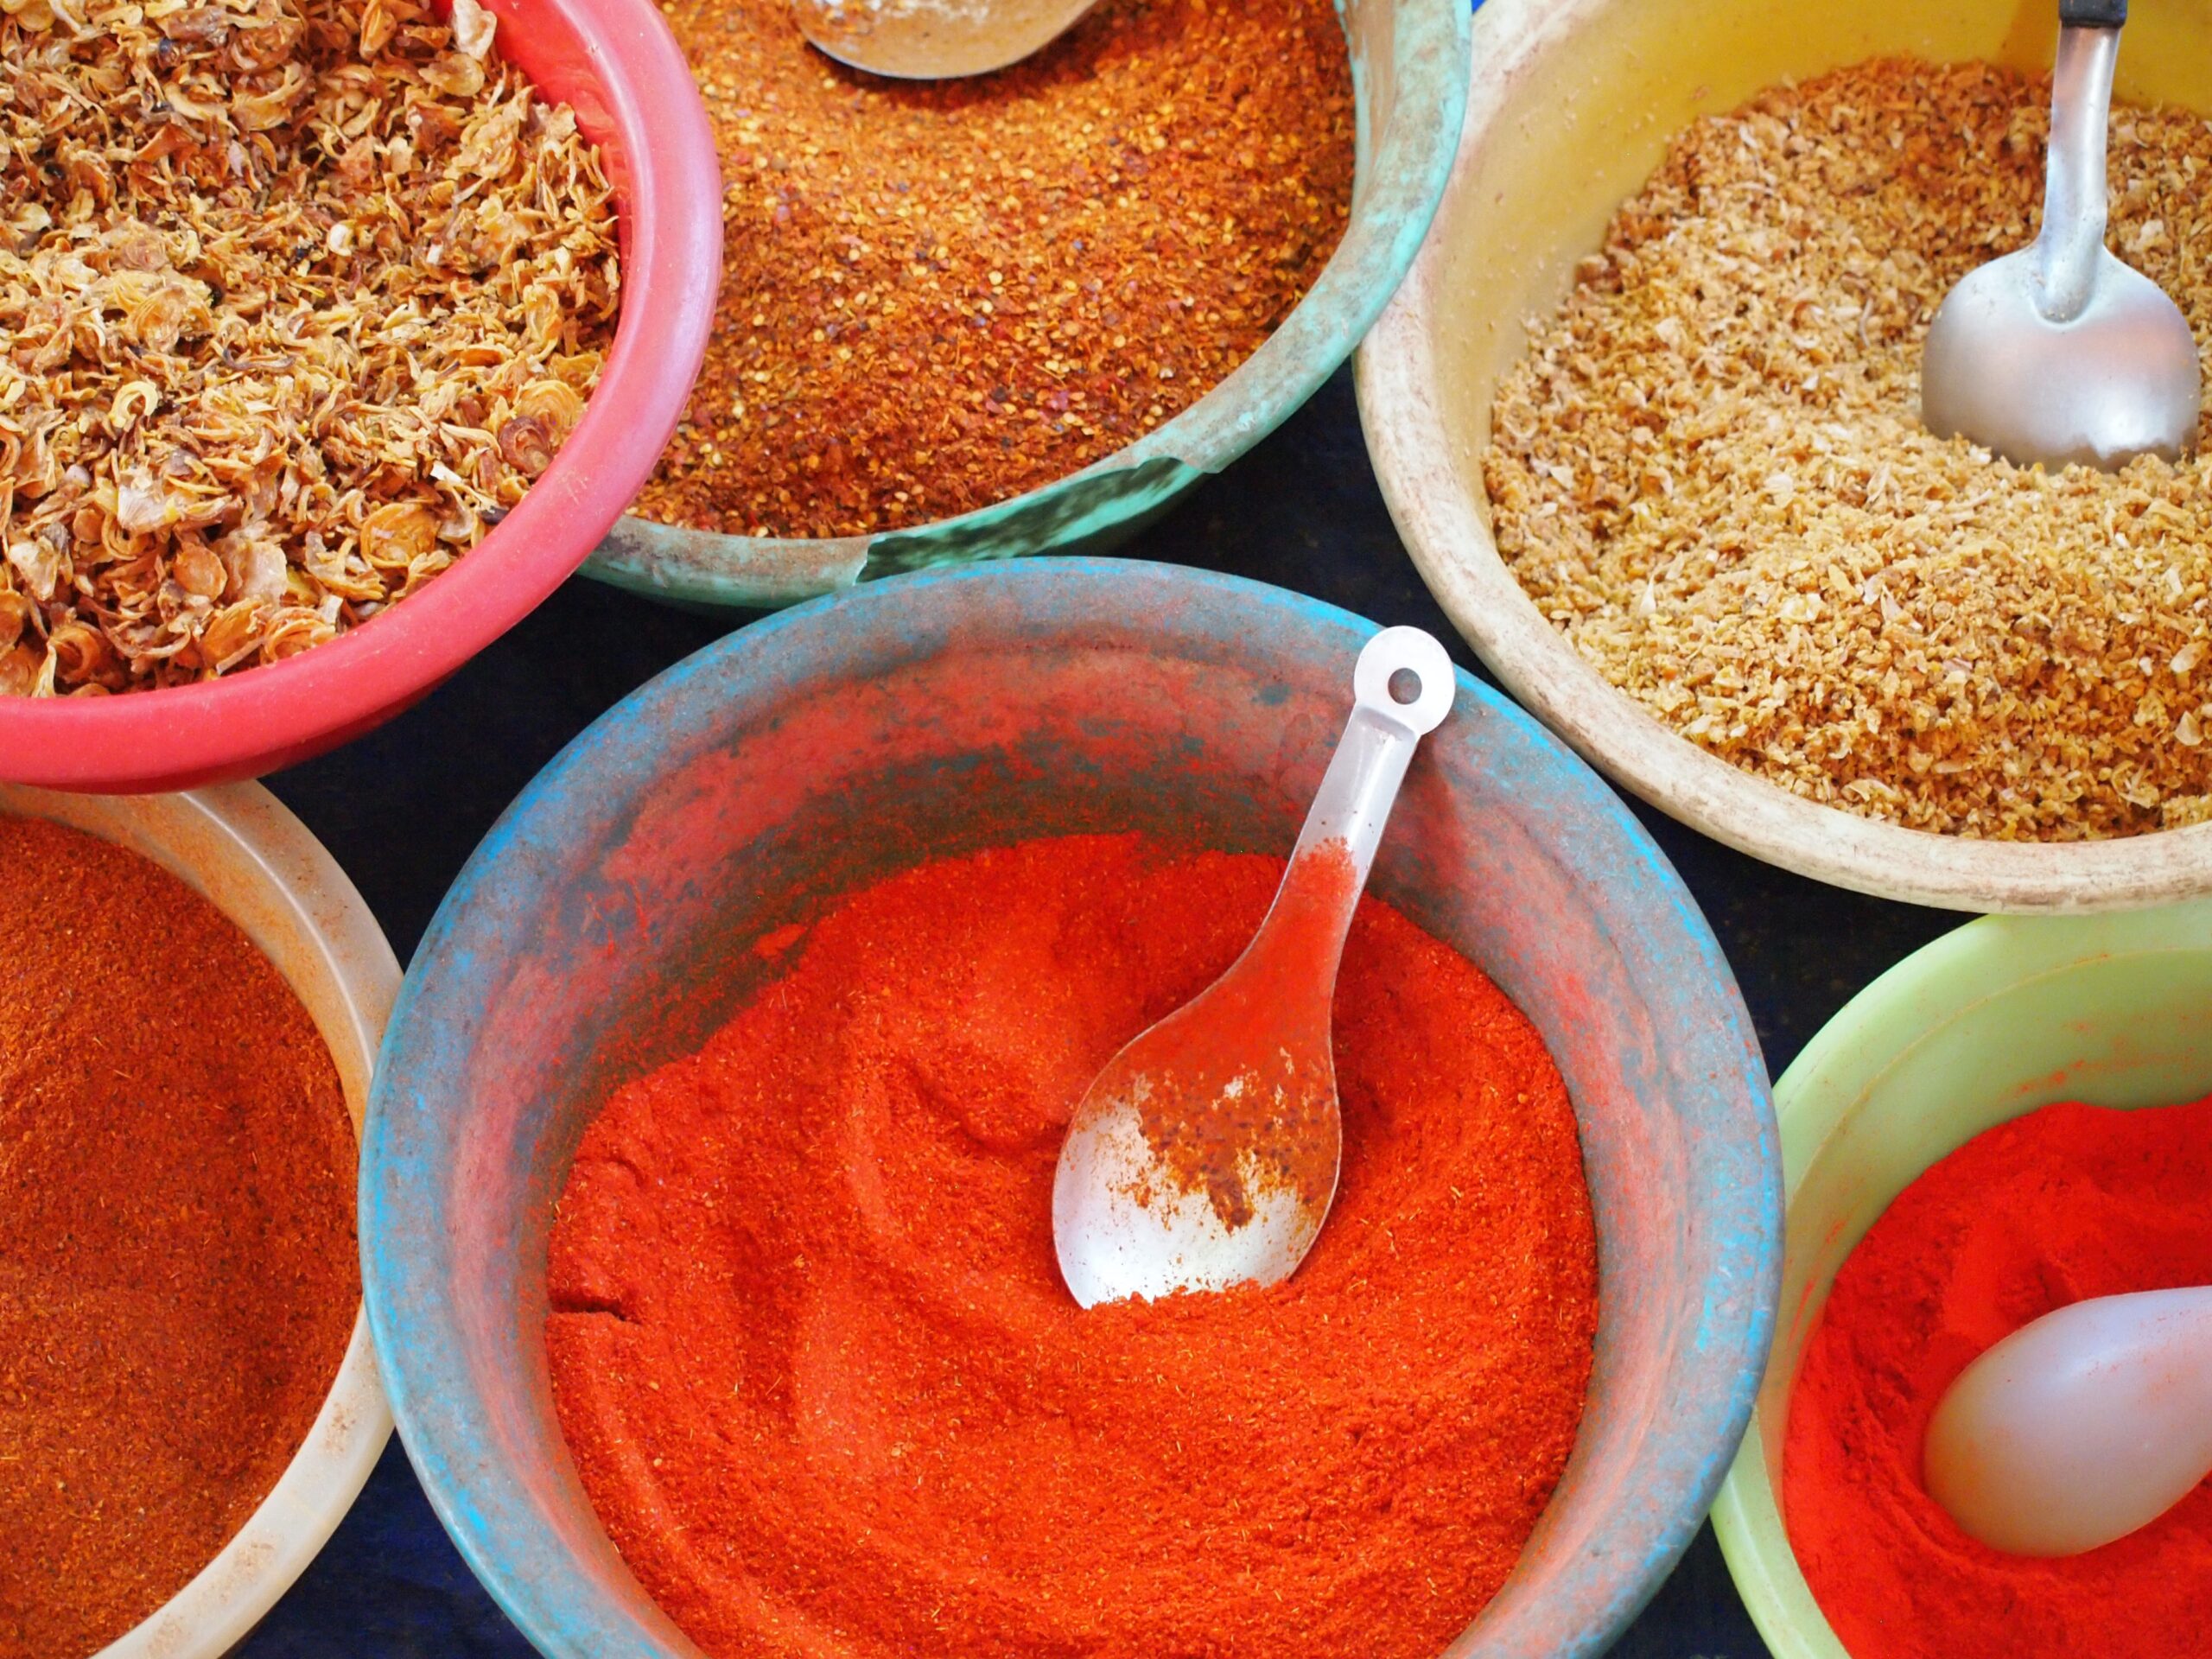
[616, 63]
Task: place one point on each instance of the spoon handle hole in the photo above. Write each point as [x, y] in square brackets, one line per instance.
[1406, 676]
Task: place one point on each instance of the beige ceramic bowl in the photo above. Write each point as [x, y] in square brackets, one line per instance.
[260, 868]
[1572, 104]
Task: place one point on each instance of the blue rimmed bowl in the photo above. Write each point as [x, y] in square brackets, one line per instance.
[1409, 67]
[598, 931]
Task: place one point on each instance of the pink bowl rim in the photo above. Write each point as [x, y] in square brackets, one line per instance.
[669, 197]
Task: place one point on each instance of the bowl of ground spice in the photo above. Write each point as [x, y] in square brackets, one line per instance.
[1647, 413]
[190, 1003]
[2013, 1119]
[989, 317]
[333, 333]
[707, 1202]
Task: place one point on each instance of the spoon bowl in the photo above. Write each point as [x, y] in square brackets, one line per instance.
[1205, 1154]
[935, 39]
[2080, 1427]
[2116, 381]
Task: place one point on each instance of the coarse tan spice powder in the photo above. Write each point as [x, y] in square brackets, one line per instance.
[178, 1271]
[1710, 471]
[938, 296]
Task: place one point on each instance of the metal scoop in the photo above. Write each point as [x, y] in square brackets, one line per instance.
[935, 39]
[2060, 352]
[1205, 1156]
[2079, 1428]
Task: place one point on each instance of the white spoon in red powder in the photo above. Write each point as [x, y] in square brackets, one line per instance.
[2079, 1428]
[1205, 1156]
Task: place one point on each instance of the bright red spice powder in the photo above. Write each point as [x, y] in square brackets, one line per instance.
[827, 1392]
[2067, 1203]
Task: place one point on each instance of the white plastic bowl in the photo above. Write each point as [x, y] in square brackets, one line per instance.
[258, 864]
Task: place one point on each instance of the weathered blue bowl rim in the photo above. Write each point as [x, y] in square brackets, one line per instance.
[1404, 168]
[1750, 1254]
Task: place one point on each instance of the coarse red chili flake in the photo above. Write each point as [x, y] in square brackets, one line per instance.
[938, 295]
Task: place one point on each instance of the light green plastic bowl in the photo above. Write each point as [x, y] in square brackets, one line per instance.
[2006, 1014]
[1409, 61]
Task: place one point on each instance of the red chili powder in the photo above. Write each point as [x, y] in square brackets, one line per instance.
[178, 1278]
[826, 1390]
[2063, 1204]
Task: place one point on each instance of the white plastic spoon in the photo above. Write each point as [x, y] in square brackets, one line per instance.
[935, 39]
[1205, 1156]
[2079, 1428]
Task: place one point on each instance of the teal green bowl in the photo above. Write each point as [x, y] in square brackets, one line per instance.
[2003, 1016]
[1409, 61]
[601, 929]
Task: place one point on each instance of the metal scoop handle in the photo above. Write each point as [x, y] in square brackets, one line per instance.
[1361, 785]
[2074, 201]
[1354, 801]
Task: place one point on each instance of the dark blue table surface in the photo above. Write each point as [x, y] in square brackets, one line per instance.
[402, 809]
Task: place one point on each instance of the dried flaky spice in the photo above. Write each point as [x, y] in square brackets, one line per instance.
[1710, 471]
[294, 300]
[937, 296]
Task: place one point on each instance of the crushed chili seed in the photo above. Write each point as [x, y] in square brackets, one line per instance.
[939, 295]
[294, 300]
[1710, 472]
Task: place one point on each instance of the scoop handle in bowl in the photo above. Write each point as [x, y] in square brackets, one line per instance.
[2092, 14]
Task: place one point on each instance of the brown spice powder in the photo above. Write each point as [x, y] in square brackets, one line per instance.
[1711, 474]
[937, 296]
[296, 296]
[178, 1269]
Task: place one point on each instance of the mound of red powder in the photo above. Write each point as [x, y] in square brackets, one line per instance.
[826, 1390]
[2066, 1202]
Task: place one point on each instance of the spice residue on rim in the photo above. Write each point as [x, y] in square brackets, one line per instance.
[825, 1388]
[1710, 473]
[297, 298]
[2065, 1203]
[178, 1278]
[939, 295]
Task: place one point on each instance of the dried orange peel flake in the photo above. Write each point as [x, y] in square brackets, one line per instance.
[295, 301]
